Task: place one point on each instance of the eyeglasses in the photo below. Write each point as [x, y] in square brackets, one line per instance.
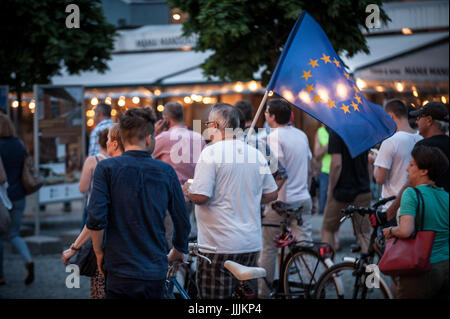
[209, 122]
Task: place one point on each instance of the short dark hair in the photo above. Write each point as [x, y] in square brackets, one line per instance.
[104, 108]
[397, 107]
[136, 125]
[174, 110]
[103, 137]
[430, 158]
[281, 109]
[246, 108]
[241, 118]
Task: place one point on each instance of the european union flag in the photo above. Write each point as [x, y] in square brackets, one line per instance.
[310, 76]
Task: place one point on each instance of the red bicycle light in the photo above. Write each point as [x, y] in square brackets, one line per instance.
[326, 251]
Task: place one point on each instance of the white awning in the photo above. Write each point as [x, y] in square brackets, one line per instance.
[386, 47]
[182, 67]
[137, 69]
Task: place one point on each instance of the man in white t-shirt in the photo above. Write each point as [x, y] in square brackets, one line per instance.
[395, 152]
[290, 145]
[232, 179]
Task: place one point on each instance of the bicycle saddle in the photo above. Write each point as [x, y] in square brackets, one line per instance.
[242, 272]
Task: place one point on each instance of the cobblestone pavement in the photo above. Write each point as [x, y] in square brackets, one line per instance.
[50, 282]
[50, 279]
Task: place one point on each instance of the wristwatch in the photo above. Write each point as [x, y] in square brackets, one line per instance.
[72, 247]
[390, 231]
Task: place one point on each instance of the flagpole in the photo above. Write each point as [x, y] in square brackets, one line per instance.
[258, 113]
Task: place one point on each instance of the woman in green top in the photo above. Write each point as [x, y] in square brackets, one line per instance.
[427, 163]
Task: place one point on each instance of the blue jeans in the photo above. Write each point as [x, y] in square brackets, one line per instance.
[13, 234]
[323, 189]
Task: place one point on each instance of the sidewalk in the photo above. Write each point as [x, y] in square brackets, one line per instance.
[50, 278]
[50, 282]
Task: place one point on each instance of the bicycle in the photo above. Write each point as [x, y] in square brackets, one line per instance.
[189, 289]
[357, 278]
[299, 270]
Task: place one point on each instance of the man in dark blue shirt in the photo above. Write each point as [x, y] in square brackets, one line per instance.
[130, 196]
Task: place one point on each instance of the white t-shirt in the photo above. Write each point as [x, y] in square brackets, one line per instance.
[290, 145]
[234, 175]
[395, 155]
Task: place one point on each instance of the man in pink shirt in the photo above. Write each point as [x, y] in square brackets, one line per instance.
[175, 144]
[179, 147]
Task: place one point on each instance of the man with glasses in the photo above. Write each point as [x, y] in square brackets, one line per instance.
[231, 180]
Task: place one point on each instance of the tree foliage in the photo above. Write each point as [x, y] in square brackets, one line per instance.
[36, 44]
[247, 36]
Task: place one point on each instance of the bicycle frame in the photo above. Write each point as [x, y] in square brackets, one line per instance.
[361, 265]
[171, 279]
[173, 282]
[293, 247]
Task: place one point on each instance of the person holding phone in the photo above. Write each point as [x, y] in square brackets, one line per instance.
[179, 147]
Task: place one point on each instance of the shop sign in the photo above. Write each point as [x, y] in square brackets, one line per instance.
[154, 38]
[429, 64]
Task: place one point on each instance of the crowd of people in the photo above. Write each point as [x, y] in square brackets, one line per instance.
[153, 185]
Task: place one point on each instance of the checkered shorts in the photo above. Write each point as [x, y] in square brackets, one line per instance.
[216, 282]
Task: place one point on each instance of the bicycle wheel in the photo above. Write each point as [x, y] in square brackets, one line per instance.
[301, 272]
[340, 282]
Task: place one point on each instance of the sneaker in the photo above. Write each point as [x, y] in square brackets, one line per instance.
[30, 273]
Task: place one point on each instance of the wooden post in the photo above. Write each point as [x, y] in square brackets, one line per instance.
[258, 113]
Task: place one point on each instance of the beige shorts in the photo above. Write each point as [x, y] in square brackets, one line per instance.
[332, 214]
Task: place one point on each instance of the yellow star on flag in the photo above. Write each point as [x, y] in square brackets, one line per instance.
[313, 63]
[331, 104]
[355, 106]
[355, 88]
[357, 98]
[317, 98]
[325, 58]
[345, 108]
[336, 62]
[347, 75]
[306, 75]
[309, 88]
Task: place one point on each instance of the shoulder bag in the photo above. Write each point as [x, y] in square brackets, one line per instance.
[31, 180]
[411, 256]
[86, 260]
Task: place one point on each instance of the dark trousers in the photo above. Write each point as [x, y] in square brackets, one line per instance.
[129, 288]
[431, 285]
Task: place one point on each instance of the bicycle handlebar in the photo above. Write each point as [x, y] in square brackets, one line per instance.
[350, 210]
[195, 246]
[383, 201]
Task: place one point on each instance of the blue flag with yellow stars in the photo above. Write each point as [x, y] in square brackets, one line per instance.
[310, 76]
